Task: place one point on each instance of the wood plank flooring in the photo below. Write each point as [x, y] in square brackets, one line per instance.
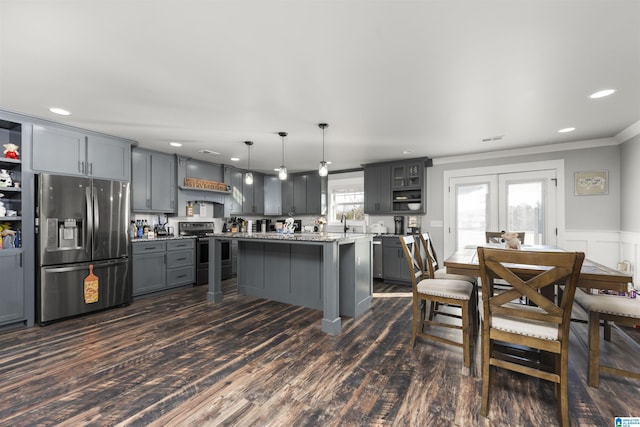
[177, 360]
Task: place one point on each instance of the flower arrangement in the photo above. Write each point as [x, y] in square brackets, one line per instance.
[321, 220]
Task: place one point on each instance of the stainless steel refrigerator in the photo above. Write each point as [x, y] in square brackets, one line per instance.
[81, 225]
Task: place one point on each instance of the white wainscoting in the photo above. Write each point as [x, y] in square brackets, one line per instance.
[605, 247]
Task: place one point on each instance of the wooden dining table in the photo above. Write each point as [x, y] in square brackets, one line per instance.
[592, 275]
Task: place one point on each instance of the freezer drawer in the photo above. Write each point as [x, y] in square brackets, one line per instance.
[61, 290]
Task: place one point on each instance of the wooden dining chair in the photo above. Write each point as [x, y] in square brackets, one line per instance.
[438, 272]
[607, 308]
[496, 236]
[544, 326]
[458, 293]
[433, 271]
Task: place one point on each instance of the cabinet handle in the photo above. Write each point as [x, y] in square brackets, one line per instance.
[148, 203]
[180, 259]
[80, 166]
[20, 259]
[91, 168]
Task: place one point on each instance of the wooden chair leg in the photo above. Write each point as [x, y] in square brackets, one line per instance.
[607, 330]
[563, 398]
[594, 349]
[414, 324]
[486, 352]
[466, 333]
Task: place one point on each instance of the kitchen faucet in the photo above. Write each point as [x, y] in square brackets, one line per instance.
[343, 219]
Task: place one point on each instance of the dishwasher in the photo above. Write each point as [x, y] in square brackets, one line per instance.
[377, 258]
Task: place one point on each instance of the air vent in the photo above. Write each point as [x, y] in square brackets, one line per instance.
[213, 153]
[493, 138]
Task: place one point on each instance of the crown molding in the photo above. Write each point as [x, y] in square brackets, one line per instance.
[628, 133]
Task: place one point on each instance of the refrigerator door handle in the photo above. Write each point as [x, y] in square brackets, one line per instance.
[96, 209]
[85, 266]
[89, 229]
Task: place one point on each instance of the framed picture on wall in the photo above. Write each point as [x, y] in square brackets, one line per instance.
[589, 183]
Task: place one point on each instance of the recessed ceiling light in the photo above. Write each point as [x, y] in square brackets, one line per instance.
[60, 111]
[235, 159]
[601, 93]
[565, 130]
[407, 152]
[175, 144]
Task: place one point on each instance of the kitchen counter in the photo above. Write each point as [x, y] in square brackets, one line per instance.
[146, 239]
[302, 237]
[324, 271]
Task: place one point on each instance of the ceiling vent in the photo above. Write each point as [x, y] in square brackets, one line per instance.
[493, 138]
[213, 153]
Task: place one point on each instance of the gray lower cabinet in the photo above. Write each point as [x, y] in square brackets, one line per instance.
[149, 269]
[394, 264]
[163, 264]
[181, 262]
[11, 287]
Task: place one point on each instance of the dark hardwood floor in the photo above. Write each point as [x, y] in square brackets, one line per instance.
[175, 359]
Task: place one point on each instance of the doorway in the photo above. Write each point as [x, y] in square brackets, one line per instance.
[511, 197]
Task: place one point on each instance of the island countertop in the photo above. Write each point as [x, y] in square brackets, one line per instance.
[301, 237]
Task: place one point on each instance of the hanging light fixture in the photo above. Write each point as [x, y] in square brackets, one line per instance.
[323, 170]
[282, 172]
[248, 178]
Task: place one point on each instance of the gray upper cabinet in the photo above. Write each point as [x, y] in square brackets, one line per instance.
[377, 189]
[407, 175]
[58, 150]
[235, 200]
[253, 195]
[272, 195]
[301, 194]
[153, 188]
[394, 187]
[313, 194]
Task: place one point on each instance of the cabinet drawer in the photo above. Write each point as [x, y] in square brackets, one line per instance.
[148, 247]
[180, 276]
[181, 258]
[181, 244]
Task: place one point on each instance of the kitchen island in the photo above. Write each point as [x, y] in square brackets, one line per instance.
[324, 271]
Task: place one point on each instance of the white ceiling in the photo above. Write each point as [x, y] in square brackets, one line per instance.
[435, 77]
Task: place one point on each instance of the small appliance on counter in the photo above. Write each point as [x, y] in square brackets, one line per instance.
[399, 225]
[378, 229]
[414, 224]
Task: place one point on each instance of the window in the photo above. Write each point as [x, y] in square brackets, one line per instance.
[346, 196]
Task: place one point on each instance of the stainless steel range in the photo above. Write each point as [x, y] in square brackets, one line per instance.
[200, 230]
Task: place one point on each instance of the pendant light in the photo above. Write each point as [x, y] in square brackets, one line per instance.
[282, 172]
[248, 178]
[323, 170]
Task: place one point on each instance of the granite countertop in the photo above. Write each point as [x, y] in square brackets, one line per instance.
[145, 239]
[302, 237]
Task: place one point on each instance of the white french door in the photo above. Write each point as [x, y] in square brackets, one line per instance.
[515, 201]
